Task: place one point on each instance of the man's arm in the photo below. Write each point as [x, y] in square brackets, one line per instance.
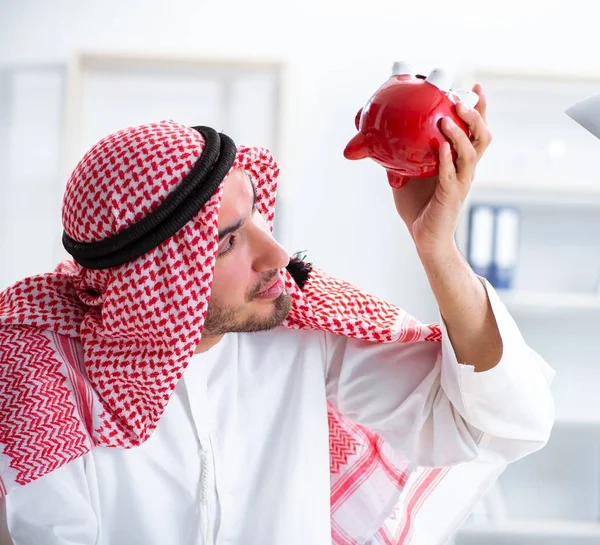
[430, 208]
[465, 309]
[432, 407]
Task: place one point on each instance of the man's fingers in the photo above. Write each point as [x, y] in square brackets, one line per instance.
[466, 153]
[480, 134]
[481, 105]
[447, 170]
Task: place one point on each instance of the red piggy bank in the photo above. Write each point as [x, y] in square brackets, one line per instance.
[399, 127]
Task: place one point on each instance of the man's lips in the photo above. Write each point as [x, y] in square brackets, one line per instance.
[270, 285]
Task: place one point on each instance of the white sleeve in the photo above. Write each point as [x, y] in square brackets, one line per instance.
[436, 411]
[54, 510]
[436, 501]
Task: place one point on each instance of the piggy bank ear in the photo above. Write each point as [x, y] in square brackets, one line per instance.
[469, 98]
[357, 118]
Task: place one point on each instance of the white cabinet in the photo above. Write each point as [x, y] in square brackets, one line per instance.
[543, 164]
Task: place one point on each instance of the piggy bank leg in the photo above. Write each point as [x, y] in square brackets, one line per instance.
[396, 180]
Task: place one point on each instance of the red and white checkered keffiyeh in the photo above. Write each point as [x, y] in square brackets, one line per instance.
[137, 325]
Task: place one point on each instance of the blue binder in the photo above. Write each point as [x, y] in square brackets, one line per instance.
[493, 243]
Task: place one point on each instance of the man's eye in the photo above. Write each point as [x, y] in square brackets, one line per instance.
[228, 246]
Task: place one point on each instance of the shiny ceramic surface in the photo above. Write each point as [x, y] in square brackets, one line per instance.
[399, 127]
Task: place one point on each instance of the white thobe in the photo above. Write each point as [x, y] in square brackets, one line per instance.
[241, 454]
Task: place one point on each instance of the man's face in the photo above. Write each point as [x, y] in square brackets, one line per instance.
[247, 291]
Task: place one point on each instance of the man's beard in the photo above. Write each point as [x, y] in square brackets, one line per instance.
[221, 319]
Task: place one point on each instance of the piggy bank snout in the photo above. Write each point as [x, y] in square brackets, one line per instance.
[357, 148]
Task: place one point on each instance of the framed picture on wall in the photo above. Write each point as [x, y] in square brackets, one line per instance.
[109, 91]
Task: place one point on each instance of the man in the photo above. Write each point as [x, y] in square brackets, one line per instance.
[163, 339]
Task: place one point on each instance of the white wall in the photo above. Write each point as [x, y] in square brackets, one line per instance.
[338, 52]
